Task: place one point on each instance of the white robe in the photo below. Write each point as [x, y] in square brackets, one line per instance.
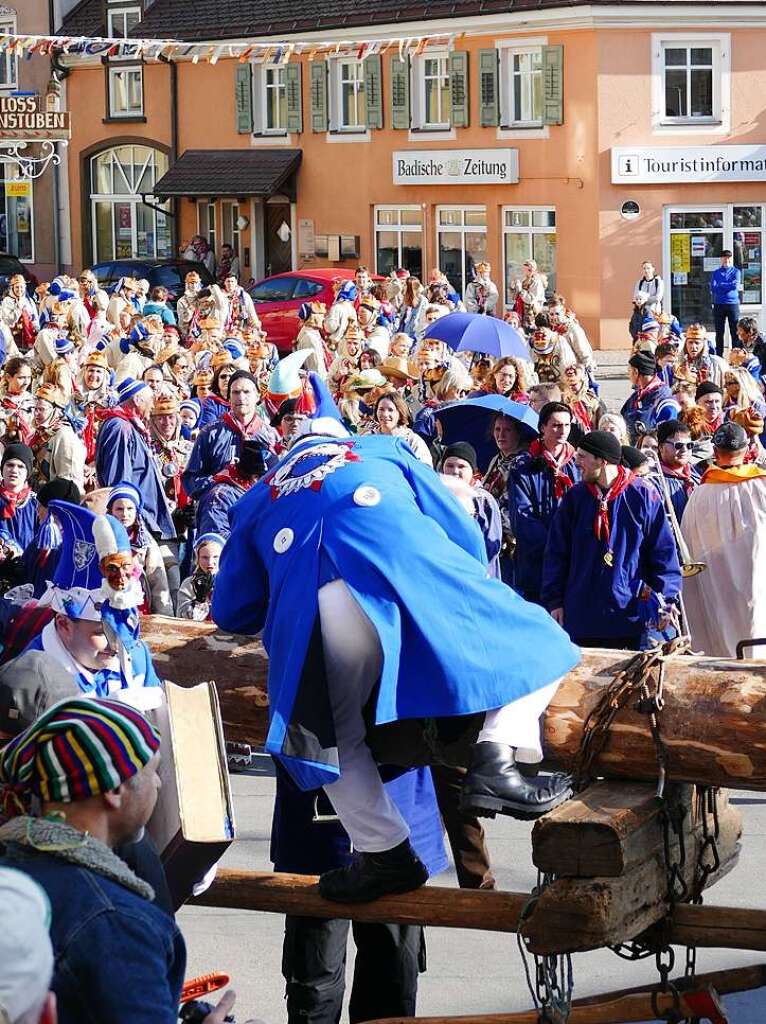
[725, 527]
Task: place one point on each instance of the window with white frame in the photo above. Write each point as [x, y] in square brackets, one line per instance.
[351, 102]
[126, 91]
[274, 99]
[122, 20]
[524, 78]
[461, 235]
[122, 225]
[399, 239]
[528, 234]
[433, 106]
[8, 61]
[690, 75]
[230, 217]
[206, 223]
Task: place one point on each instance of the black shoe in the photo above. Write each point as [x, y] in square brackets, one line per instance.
[371, 875]
[494, 785]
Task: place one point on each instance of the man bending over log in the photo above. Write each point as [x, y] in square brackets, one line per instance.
[370, 584]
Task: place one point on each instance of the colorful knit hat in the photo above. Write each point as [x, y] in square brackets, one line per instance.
[125, 489]
[79, 748]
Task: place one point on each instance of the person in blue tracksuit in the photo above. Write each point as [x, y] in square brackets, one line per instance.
[725, 288]
[330, 554]
[218, 444]
[308, 839]
[537, 481]
[611, 566]
[651, 402]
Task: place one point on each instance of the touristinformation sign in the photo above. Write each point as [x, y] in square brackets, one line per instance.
[682, 165]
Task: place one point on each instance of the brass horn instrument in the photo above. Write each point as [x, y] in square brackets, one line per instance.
[688, 567]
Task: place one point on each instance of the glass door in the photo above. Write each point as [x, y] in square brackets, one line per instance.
[696, 240]
[748, 251]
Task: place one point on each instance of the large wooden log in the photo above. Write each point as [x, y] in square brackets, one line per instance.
[713, 724]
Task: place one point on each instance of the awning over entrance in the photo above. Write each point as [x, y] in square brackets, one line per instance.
[230, 172]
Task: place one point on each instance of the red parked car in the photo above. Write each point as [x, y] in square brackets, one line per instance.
[277, 299]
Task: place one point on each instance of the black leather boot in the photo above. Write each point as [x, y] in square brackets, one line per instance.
[494, 785]
[370, 875]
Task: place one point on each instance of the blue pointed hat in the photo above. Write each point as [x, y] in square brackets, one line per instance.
[326, 418]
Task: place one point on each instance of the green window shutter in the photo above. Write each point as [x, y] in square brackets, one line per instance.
[318, 95]
[243, 98]
[373, 90]
[489, 97]
[293, 97]
[458, 87]
[400, 93]
[553, 85]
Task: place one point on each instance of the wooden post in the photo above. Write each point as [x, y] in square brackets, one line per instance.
[713, 724]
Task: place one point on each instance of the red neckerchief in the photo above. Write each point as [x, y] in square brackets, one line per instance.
[561, 482]
[653, 385]
[712, 425]
[118, 413]
[581, 413]
[12, 499]
[248, 431]
[601, 525]
[229, 475]
[684, 474]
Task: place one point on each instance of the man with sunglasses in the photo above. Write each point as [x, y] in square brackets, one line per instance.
[675, 451]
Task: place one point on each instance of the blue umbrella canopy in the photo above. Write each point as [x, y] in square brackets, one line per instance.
[472, 332]
[470, 420]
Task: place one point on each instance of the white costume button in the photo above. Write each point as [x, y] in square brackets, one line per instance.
[366, 496]
[283, 540]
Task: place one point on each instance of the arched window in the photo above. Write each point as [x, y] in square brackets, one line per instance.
[124, 227]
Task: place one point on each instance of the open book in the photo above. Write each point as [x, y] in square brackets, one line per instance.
[193, 823]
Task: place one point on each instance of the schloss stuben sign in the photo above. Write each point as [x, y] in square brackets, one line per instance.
[24, 118]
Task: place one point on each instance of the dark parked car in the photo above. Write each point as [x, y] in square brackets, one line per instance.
[10, 265]
[168, 272]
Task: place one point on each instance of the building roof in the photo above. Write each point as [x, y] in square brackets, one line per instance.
[243, 19]
[229, 172]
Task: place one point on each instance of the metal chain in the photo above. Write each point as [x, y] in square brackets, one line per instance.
[553, 983]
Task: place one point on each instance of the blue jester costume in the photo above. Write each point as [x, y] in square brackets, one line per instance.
[364, 510]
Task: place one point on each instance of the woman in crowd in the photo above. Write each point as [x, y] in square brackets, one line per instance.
[411, 320]
[741, 393]
[585, 404]
[16, 401]
[510, 377]
[695, 363]
[196, 592]
[613, 423]
[529, 294]
[125, 504]
[348, 357]
[392, 417]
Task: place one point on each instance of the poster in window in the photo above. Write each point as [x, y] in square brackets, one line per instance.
[698, 245]
[680, 253]
[22, 216]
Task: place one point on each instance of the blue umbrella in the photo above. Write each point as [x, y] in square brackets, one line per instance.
[472, 332]
[471, 420]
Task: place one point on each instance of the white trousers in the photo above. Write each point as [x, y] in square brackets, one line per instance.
[353, 663]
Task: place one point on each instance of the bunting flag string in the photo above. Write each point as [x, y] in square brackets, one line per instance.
[210, 52]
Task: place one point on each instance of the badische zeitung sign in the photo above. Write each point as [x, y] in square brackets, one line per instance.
[456, 167]
[25, 119]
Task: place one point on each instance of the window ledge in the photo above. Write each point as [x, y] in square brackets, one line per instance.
[538, 131]
[695, 127]
[349, 135]
[126, 119]
[270, 139]
[434, 134]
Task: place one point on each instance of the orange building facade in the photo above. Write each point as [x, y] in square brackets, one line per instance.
[590, 138]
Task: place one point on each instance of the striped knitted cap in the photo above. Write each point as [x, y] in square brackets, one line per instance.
[79, 748]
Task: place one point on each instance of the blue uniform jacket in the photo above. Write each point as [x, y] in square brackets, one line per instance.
[677, 489]
[103, 934]
[212, 409]
[303, 846]
[217, 445]
[213, 508]
[22, 526]
[367, 511]
[651, 409]
[601, 600]
[725, 283]
[531, 504]
[122, 454]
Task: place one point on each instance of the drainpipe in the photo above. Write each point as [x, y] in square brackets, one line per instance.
[173, 138]
[58, 74]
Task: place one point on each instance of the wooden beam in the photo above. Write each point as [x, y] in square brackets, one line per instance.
[435, 906]
[713, 723]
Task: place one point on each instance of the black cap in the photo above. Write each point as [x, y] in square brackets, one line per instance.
[633, 458]
[730, 437]
[668, 428]
[22, 452]
[644, 362]
[603, 445]
[59, 490]
[253, 459]
[707, 388]
[461, 450]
